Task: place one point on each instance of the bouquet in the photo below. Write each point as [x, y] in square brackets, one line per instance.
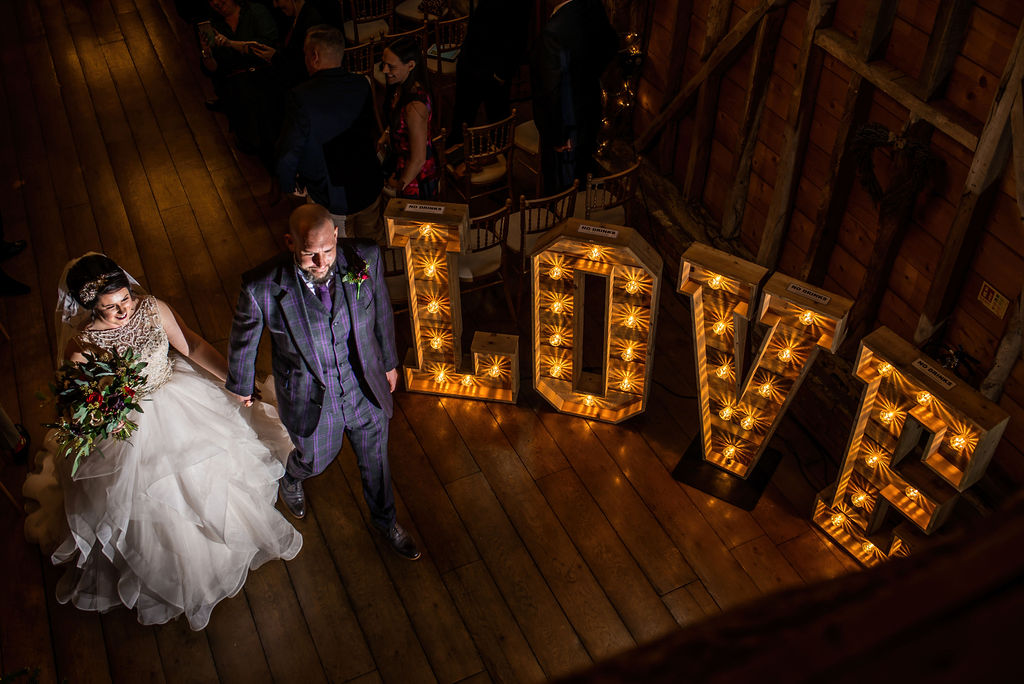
[94, 399]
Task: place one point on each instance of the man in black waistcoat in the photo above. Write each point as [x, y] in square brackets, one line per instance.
[328, 146]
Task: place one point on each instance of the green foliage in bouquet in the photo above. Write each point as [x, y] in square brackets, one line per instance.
[94, 399]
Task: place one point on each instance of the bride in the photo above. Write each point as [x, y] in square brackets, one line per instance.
[170, 521]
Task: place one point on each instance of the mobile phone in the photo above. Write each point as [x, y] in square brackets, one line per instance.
[209, 33]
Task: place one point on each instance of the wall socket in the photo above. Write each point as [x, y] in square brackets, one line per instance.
[993, 299]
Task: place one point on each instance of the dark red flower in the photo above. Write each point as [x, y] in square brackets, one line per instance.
[94, 398]
[129, 391]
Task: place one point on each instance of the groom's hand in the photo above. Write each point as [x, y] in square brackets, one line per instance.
[392, 376]
[245, 401]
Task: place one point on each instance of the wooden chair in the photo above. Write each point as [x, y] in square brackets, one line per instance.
[369, 20]
[606, 197]
[419, 33]
[408, 11]
[527, 142]
[442, 54]
[535, 217]
[437, 142]
[481, 164]
[393, 265]
[482, 262]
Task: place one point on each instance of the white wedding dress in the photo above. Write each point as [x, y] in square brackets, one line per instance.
[171, 521]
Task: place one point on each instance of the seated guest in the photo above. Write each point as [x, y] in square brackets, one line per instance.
[242, 80]
[326, 149]
[289, 62]
[411, 163]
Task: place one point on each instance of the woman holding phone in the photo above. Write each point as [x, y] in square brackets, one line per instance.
[242, 80]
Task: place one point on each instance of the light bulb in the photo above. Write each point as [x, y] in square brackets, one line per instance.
[923, 398]
[838, 519]
[626, 384]
[765, 390]
[912, 493]
[555, 272]
[557, 368]
[594, 253]
[807, 317]
[440, 376]
[729, 451]
[958, 442]
[719, 327]
[426, 230]
[871, 460]
[629, 353]
[467, 380]
[887, 416]
[715, 282]
[556, 306]
[867, 547]
[632, 286]
[430, 270]
[748, 422]
[859, 499]
[588, 400]
[631, 321]
[725, 413]
[436, 342]
[555, 340]
[723, 371]
[433, 306]
[495, 370]
[786, 354]
[885, 369]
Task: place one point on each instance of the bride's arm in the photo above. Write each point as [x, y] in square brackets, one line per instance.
[190, 344]
[72, 352]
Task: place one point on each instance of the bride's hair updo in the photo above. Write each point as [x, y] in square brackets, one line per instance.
[95, 275]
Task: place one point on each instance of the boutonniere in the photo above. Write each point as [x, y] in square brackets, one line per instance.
[357, 273]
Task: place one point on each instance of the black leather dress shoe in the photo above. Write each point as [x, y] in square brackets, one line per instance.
[401, 542]
[293, 497]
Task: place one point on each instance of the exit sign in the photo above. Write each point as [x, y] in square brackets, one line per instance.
[993, 299]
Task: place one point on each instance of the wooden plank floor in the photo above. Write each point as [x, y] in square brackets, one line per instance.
[549, 542]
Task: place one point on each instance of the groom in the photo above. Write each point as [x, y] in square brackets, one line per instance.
[332, 341]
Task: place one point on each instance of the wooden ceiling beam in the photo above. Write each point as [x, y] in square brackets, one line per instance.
[944, 44]
[765, 42]
[717, 25]
[874, 31]
[899, 86]
[989, 160]
[798, 124]
[719, 59]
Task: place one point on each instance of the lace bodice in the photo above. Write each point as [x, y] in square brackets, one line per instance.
[145, 334]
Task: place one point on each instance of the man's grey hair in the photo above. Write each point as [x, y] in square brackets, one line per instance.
[328, 41]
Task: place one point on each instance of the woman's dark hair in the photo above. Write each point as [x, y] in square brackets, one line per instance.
[95, 275]
[407, 50]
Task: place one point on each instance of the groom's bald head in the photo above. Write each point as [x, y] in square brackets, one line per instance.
[313, 239]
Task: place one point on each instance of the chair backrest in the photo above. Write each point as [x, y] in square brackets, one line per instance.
[364, 11]
[542, 214]
[483, 143]
[438, 143]
[448, 37]
[361, 59]
[419, 34]
[608, 192]
[371, 10]
[393, 261]
[490, 230]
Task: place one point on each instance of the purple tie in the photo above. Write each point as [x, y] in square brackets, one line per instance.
[323, 291]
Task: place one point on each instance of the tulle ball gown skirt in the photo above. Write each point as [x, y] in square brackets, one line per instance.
[171, 521]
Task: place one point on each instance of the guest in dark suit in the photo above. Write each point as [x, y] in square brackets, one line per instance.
[328, 145]
[289, 62]
[488, 60]
[334, 359]
[573, 49]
